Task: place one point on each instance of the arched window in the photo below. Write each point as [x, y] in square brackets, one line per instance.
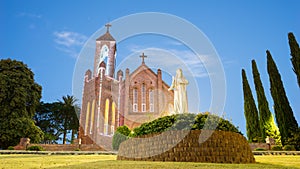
[113, 117]
[143, 97]
[135, 100]
[103, 53]
[106, 117]
[103, 56]
[87, 118]
[151, 100]
[92, 117]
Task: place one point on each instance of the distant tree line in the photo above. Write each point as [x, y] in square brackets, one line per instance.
[22, 114]
[260, 123]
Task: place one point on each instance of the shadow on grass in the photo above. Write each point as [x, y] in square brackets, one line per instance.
[111, 164]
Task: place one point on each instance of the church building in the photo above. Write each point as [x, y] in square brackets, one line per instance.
[111, 99]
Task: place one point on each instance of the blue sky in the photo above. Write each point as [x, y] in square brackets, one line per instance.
[48, 36]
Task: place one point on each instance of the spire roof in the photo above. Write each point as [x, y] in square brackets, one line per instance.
[107, 36]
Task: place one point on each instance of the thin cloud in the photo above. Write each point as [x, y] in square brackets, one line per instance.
[32, 18]
[69, 42]
[172, 59]
[193, 62]
[68, 39]
[188, 58]
[30, 15]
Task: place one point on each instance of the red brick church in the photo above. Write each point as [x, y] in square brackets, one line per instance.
[111, 99]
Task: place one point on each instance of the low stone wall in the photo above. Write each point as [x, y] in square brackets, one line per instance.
[188, 146]
[69, 147]
[265, 146]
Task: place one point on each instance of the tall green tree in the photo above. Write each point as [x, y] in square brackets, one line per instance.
[69, 117]
[19, 96]
[283, 111]
[266, 120]
[48, 119]
[250, 112]
[295, 53]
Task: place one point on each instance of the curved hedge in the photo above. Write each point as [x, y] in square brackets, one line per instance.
[186, 121]
[120, 135]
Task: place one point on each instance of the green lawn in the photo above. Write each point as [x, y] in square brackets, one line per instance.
[109, 161]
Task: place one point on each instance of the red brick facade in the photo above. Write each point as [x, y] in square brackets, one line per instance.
[110, 102]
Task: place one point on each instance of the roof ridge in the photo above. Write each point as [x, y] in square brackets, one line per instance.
[106, 37]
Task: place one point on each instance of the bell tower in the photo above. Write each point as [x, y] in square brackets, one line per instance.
[106, 52]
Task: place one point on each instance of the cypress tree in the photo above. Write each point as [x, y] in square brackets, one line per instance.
[283, 111]
[295, 53]
[250, 112]
[266, 120]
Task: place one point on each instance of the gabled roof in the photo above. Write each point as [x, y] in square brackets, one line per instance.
[142, 67]
[106, 37]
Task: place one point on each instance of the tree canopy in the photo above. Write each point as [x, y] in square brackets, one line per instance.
[19, 96]
[295, 53]
[58, 119]
[266, 119]
[250, 112]
[47, 117]
[283, 111]
[69, 116]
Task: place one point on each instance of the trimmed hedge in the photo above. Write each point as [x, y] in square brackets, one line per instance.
[35, 148]
[277, 148]
[185, 121]
[10, 148]
[120, 135]
[259, 149]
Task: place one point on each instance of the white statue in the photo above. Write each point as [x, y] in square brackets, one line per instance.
[179, 84]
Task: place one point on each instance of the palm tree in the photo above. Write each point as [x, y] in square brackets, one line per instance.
[69, 117]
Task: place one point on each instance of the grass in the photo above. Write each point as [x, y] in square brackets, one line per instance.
[109, 161]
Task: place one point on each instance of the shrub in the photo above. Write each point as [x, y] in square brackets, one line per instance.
[186, 121]
[77, 149]
[120, 135]
[277, 148]
[123, 130]
[10, 148]
[35, 148]
[289, 148]
[259, 149]
[294, 139]
[155, 126]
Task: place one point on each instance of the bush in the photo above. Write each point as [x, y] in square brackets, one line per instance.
[186, 121]
[77, 149]
[155, 126]
[259, 149]
[294, 139]
[289, 148]
[35, 148]
[120, 135]
[10, 148]
[277, 148]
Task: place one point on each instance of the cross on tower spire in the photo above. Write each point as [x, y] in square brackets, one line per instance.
[107, 27]
[143, 56]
